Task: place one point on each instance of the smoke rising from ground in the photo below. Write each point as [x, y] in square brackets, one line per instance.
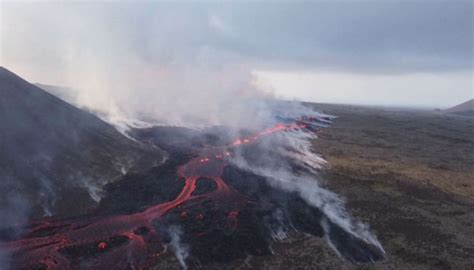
[136, 67]
[148, 62]
[282, 174]
[180, 249]
[100, 47]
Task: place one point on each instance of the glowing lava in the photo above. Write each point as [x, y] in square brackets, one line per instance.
[47, 242]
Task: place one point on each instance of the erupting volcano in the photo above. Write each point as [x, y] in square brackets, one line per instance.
[222, 212]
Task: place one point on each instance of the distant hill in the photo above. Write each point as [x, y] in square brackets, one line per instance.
[54, 157]
[466, 108]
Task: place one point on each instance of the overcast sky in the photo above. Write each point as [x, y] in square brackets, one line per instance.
[411, 53]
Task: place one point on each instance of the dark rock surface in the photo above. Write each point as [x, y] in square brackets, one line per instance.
[54, 157]
[407, 173]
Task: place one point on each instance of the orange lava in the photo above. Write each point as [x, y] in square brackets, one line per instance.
[33, 250]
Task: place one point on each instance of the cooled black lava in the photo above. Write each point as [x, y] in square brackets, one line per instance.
[224, 212]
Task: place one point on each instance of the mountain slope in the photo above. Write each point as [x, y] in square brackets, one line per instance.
[54, 157]
[466, 108]
[61, 92]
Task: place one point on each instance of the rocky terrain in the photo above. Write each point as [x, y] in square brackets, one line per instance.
[410, 174]
[407, 173]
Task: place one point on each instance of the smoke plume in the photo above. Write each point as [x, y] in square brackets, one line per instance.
[300, 174]
[138, 67]
[134, 64]
[180, 249]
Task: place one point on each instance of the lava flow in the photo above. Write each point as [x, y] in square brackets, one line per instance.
[132, 240]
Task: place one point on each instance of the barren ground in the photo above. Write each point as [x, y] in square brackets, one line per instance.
[409, 174]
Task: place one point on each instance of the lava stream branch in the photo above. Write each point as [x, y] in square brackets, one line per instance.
[42, 244]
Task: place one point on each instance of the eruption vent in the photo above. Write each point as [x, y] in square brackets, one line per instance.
[230, 197]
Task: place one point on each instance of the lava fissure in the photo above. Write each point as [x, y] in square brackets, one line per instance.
[101, 241]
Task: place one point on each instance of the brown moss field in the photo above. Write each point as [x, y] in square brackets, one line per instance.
[408, 174]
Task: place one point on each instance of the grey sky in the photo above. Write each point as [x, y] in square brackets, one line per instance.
[412, 43]
[370, 36]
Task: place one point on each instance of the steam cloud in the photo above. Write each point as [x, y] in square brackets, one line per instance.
[180, 249]
[140, 74]
[280, 174]
[134, 65]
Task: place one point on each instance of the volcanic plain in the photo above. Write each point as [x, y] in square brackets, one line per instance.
[407, 173]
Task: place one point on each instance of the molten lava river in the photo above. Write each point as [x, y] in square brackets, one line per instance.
[221, 212]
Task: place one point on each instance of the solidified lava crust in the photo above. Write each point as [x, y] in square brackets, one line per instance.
[222, 219]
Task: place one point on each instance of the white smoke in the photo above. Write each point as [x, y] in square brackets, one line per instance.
[180, 249]
[306, 185]
[279, 230]
[47, 195]
[136, 64]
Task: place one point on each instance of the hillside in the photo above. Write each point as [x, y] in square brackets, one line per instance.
[466, 108]
[54, 157]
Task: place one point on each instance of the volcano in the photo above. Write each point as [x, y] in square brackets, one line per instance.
[219, 196]
[54, 157]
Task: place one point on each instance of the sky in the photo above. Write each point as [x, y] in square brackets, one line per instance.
[397, 53]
